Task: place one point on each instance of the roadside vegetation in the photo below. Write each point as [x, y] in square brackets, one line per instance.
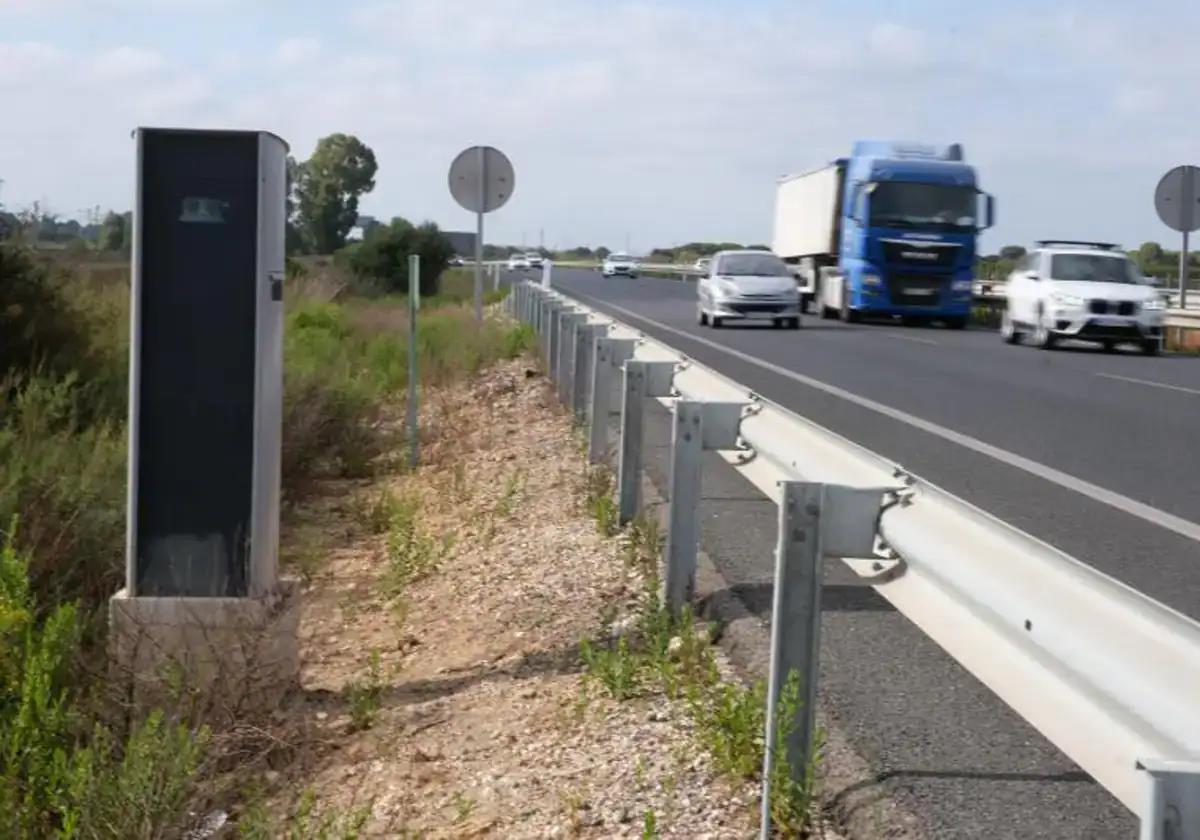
[653, 652]
[75, 760]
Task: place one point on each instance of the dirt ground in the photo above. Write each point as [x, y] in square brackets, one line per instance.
[475, 719]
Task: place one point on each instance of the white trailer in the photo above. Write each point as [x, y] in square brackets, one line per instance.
[807, 229]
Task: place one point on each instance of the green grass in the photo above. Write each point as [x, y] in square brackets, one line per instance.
[674, 655]
[364, 695]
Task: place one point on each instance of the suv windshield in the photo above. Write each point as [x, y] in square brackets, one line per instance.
[752, 265]
[1094, 268]
[618, 258]
[896, 203]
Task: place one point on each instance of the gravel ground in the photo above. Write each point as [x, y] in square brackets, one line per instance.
[485, 726]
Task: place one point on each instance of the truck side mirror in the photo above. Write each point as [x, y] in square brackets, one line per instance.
[989, 211]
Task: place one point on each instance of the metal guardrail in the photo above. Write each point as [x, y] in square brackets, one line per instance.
[1106, 673]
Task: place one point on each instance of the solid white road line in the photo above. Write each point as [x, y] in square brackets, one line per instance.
[1150, 382]
[1133, 507]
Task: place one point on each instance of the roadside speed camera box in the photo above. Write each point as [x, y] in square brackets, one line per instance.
[206, 359]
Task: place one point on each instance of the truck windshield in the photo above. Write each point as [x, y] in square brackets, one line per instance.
[900, 204]
[1095, 268]
[752, 265]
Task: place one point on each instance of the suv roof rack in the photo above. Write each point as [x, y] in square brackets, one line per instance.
[1103, 246]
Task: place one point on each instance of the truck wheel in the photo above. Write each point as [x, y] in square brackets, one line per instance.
[1008, 329]
[958, 322]
[717, 322]
[850, 316]
[1151, 347]
[703, 318]
[794, 323]
[826, 313]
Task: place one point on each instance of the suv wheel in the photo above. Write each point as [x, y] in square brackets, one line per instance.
[1042, 336]
[703, 318]
[1008, 329]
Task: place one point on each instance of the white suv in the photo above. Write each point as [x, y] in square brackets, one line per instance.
[1090, 291]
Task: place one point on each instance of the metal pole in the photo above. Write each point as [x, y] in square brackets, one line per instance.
[795, 630]
[414, 302]
[1183, 272]
[630, 465]
[687, 451]
[479, 235]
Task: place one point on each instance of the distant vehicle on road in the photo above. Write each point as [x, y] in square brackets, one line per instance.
[748, 285]
[457, 260]
[518, 262]
[891, 230]
[1090, 291]
[619, 264]
[702, 264]
[535, 259]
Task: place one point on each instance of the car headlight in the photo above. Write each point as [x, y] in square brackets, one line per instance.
[1154, 305]
[726, 289]
[872, 280]
[961, 286]
[1063, 299]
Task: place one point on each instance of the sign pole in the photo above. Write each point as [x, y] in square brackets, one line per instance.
[479, 234]
[1183, 272]
[414, 303]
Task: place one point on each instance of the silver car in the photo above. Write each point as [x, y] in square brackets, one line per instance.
[748, 285]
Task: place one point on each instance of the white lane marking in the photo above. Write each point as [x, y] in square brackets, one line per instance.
[917, 339]
[1133, 507]
[1150, 382]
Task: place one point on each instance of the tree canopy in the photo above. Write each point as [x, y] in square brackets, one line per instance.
[326, 189]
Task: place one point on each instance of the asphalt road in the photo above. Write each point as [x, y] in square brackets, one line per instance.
[1038, 438]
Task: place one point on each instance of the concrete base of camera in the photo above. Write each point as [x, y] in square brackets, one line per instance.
[223, 656]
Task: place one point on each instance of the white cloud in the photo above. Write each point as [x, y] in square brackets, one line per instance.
[294, 51]
[126, 63]
[1139, 99]
[902, 44]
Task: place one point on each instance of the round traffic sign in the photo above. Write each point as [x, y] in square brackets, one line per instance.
[481, 179]
[1177, 199]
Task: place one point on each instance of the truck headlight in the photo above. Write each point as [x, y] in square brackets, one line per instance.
[872, 280]
[1154, 305]
[1066, 300]
[961, 286]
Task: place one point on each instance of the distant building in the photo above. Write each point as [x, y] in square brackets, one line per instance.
[462, 242]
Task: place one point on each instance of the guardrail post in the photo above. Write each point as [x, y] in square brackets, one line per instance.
[642, 379]
[698, 426]
[815, 521]
[570, 323]
[553, 312]
[1172, 810]
[610, 354]
[585, 365]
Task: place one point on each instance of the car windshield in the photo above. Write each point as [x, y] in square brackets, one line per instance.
[619, 258]
[752, 265]
[1094, 268]
[899, 204]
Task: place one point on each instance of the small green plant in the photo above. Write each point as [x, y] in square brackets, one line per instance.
[642, 548]
[306, 558]
[791, 799]
[364, 695]
[464, 806]
[377, 512]
[730, 721]
[616, 668]
[510, 495]
[411, 554]
[650, 826]
[304, 823]
[600, 504]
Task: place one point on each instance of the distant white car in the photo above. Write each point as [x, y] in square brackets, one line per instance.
[619, 264]
[534, 259]
[702, 264]
[1090, 291]
[518, 262]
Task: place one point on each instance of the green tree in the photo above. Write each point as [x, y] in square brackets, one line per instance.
[383, 255]
[602, 253]
[1012, 252]
[114, 232]
[327, 188]
[1149, 254]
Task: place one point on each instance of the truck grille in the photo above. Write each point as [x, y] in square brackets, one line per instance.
[914, 253]
[915, 290]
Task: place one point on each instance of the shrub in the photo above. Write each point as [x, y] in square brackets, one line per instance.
[383, 255]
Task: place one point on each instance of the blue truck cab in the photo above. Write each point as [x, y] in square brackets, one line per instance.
[909, 217]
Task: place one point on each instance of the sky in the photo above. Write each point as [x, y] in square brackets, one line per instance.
[652, 123]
